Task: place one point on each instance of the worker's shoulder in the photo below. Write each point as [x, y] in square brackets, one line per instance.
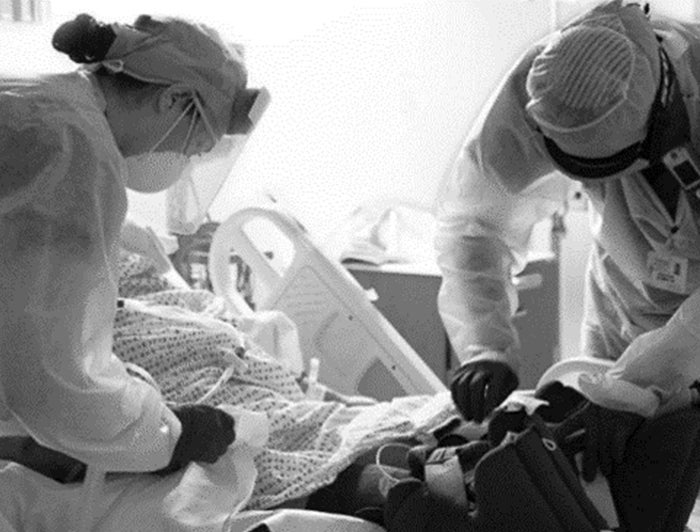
[50, 102]
[48, 131]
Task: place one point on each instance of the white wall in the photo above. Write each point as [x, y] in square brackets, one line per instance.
[375, 102]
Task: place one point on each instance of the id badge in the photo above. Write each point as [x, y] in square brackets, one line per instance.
[667, 272]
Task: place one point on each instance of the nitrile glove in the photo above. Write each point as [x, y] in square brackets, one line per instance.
[480, 386]
[206, 435]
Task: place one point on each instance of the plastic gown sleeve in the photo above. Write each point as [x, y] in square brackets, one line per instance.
[663, 362]
[500, 186]
[62, 202]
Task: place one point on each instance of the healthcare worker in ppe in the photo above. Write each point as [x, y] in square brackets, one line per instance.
[148, 98]
[609, 101]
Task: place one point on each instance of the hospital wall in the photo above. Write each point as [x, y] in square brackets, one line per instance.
[371, 98]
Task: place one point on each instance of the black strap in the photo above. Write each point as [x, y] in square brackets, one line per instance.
[593, 167]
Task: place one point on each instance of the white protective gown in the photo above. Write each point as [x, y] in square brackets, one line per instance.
[504, 182]
[62, 204]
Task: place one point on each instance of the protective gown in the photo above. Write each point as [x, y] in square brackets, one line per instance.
[62, 204]
[504, 182]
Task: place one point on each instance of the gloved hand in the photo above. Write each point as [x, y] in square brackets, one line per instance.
[479, 387]
[562, 401]
[206, 434]
[600, 433]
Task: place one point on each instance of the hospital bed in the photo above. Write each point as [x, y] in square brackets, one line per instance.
[331, 311]
[346, 344]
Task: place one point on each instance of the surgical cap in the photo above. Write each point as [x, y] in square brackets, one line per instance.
[164, 50]
[592, 86]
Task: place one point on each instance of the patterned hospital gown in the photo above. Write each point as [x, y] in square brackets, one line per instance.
[310, 441]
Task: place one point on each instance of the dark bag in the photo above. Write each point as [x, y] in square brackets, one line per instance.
[526, 483]
[523, 483]
[656, 485]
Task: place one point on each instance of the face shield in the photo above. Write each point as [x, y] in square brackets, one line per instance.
[189, 199]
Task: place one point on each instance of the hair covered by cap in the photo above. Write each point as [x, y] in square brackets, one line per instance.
[592, 86]
[163, 50]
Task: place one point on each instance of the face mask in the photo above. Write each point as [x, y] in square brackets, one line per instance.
[156, 171]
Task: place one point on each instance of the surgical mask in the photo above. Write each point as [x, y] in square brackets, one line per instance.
[157, 171]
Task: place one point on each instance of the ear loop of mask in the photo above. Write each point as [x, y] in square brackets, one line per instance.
[185, 147]
[190, 129]
[173, 126]
[203, 116]
[200, 111]
[188, 139]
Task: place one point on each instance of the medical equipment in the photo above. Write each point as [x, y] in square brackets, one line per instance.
[359, 351]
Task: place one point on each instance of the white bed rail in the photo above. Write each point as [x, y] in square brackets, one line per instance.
[359, 350]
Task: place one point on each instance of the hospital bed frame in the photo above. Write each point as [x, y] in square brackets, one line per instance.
[359, 352]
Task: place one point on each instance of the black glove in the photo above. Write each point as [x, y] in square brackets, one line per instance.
[562, 401]
[206, 434]
[600, 433]
[479, 387]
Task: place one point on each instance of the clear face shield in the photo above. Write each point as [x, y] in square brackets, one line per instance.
[189, 199]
